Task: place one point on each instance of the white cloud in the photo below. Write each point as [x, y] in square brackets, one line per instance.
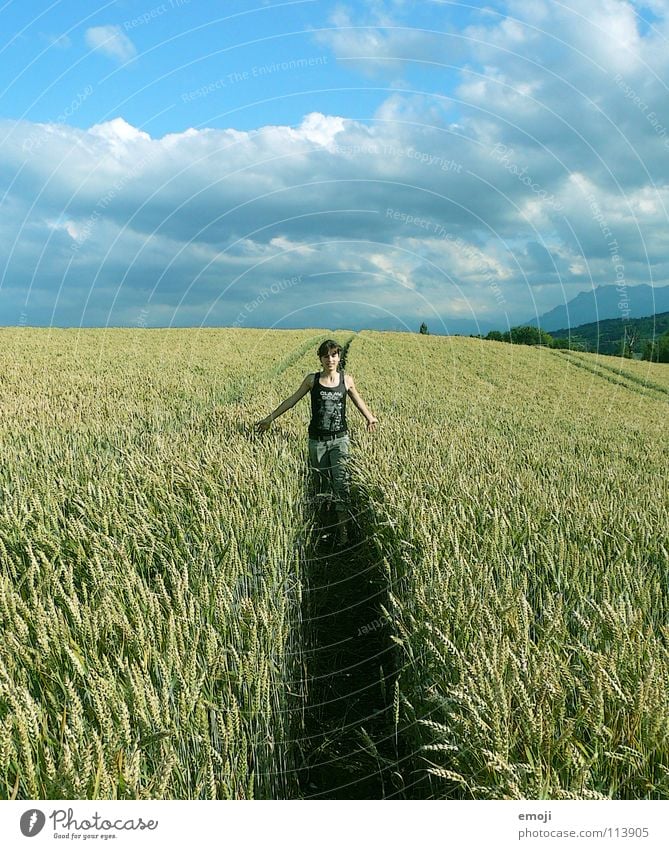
[210, 218]
[320, 129]
[517, 193]
[118, 130]
[118, 137]
[112, 41]
[379, 41]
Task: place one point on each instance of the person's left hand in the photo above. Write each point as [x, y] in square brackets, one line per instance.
[372, 423]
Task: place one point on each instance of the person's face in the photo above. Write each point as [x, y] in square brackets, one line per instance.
[331, 359]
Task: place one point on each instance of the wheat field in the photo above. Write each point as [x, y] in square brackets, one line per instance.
[525, 537]
[154, 552]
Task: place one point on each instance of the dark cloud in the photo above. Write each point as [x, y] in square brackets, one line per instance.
[549, 175]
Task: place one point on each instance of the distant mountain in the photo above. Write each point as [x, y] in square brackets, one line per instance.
[606, 337]
[604, 302]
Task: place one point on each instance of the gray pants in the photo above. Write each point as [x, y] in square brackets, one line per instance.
[328, 464]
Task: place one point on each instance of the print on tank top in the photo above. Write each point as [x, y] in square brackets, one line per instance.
[328, 407]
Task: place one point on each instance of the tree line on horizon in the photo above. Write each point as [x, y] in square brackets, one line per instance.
[654, 350]
[634, 343]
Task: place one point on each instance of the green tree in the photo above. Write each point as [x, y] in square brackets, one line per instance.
[663, 349]
[495, 336]
[424, 330]
[657, 351]
[571, 344]
[528, 335]
[650, 351]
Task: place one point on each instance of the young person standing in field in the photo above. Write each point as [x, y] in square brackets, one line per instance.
[329, 443]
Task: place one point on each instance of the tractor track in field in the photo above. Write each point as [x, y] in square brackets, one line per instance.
[634, 378]
[628, 381]
[349, 745]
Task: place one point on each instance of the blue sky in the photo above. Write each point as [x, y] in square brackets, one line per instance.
[169, 66]
[329, 164]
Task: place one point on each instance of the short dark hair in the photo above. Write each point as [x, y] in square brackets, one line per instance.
[328, 346]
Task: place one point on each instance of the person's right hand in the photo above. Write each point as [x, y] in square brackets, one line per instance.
[263, 425]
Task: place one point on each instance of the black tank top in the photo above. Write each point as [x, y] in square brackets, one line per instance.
[328, 408]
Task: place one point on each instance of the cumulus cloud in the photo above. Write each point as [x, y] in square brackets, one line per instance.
[549, 178]
[380, 39]
[202, 222]
[583, 85]
[112, 41]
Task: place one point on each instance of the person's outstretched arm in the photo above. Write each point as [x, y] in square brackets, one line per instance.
[263, 424]
[360, 404]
